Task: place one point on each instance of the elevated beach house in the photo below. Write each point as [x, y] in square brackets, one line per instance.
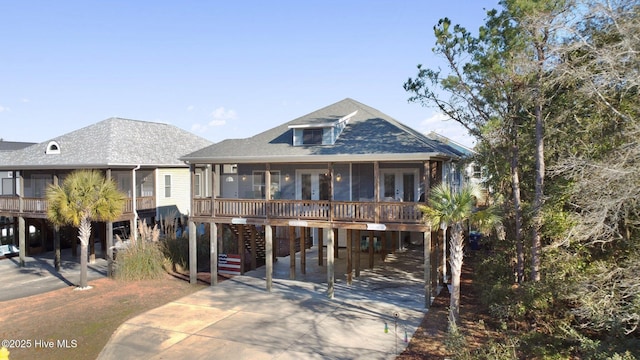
[345, 176]
[142, 157]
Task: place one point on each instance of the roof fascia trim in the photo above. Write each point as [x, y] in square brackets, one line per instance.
[320, 158]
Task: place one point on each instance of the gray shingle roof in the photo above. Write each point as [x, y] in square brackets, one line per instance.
[369, 134]
[112, 142]
[13, 145]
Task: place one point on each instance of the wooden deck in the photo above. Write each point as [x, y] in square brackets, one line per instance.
[262, 211]
[37, 207]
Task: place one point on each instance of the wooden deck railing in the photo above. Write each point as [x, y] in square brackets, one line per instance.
[346, 211]
[10, 204]
[40, 205]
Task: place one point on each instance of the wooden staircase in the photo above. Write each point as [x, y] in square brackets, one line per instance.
[261, 250]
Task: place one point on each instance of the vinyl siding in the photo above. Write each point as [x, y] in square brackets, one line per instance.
[180, 192]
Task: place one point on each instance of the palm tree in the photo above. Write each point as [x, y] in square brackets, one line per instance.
[84, 196]
[448, 208]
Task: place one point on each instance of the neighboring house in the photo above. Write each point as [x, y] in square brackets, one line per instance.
[7, 188]
[344, 172]
[6, 182]
[470, 171]
[142, 157]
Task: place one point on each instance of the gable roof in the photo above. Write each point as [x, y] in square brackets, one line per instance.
[467, 151]
[114, 142]
[369, 135]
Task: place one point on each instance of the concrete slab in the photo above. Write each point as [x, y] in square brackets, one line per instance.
[182, 318]
[199, 347]
[138, 342]
[239, 319]
[39, 274]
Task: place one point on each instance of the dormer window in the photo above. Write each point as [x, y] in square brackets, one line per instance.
[312, 136]
[52, 148]
[319, 131]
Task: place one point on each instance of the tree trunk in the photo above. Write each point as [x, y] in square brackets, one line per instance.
[515, 184]
[83, 235]
[539, 189]
[456, 250]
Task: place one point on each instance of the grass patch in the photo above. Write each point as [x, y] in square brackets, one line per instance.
[88, 317]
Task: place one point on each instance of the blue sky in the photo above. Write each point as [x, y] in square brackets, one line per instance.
[220, 69]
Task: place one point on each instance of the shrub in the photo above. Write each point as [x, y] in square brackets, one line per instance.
[176, 250]
[140, 260]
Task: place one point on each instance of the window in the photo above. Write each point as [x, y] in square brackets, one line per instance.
[7, 187]
[477, 171]
[52, 148]
[167, 186]
[259, 184]
[36, 185]
[146, 186]
[196, 185]
[123, 179]
[312, 137]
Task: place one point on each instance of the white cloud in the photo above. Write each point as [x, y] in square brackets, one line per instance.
[3, 108]
[223, 114]
[190, 108]
[24, 100]
[219, 117]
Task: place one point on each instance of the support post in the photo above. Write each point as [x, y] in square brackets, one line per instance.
[56, 248]
[193, 254]
[427, 268]
[292, 253]
[268, 234]
[330, 268]
[56, 236]
[358, 252]
[336, 244]
[274, 253]
[109, 246]
[349, 256]
[254, 251]
[213, 252]
[371, 249]
[22, 240]
[303, 250]
[320, 247]
[437, 256]
[241, 247]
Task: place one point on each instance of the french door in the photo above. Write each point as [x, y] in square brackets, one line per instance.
[312, 184]
[399, 185]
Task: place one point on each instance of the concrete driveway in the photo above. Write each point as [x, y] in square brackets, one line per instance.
[39, 274]
[238, 319]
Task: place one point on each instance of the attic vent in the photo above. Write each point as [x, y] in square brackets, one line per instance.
[52, 148]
